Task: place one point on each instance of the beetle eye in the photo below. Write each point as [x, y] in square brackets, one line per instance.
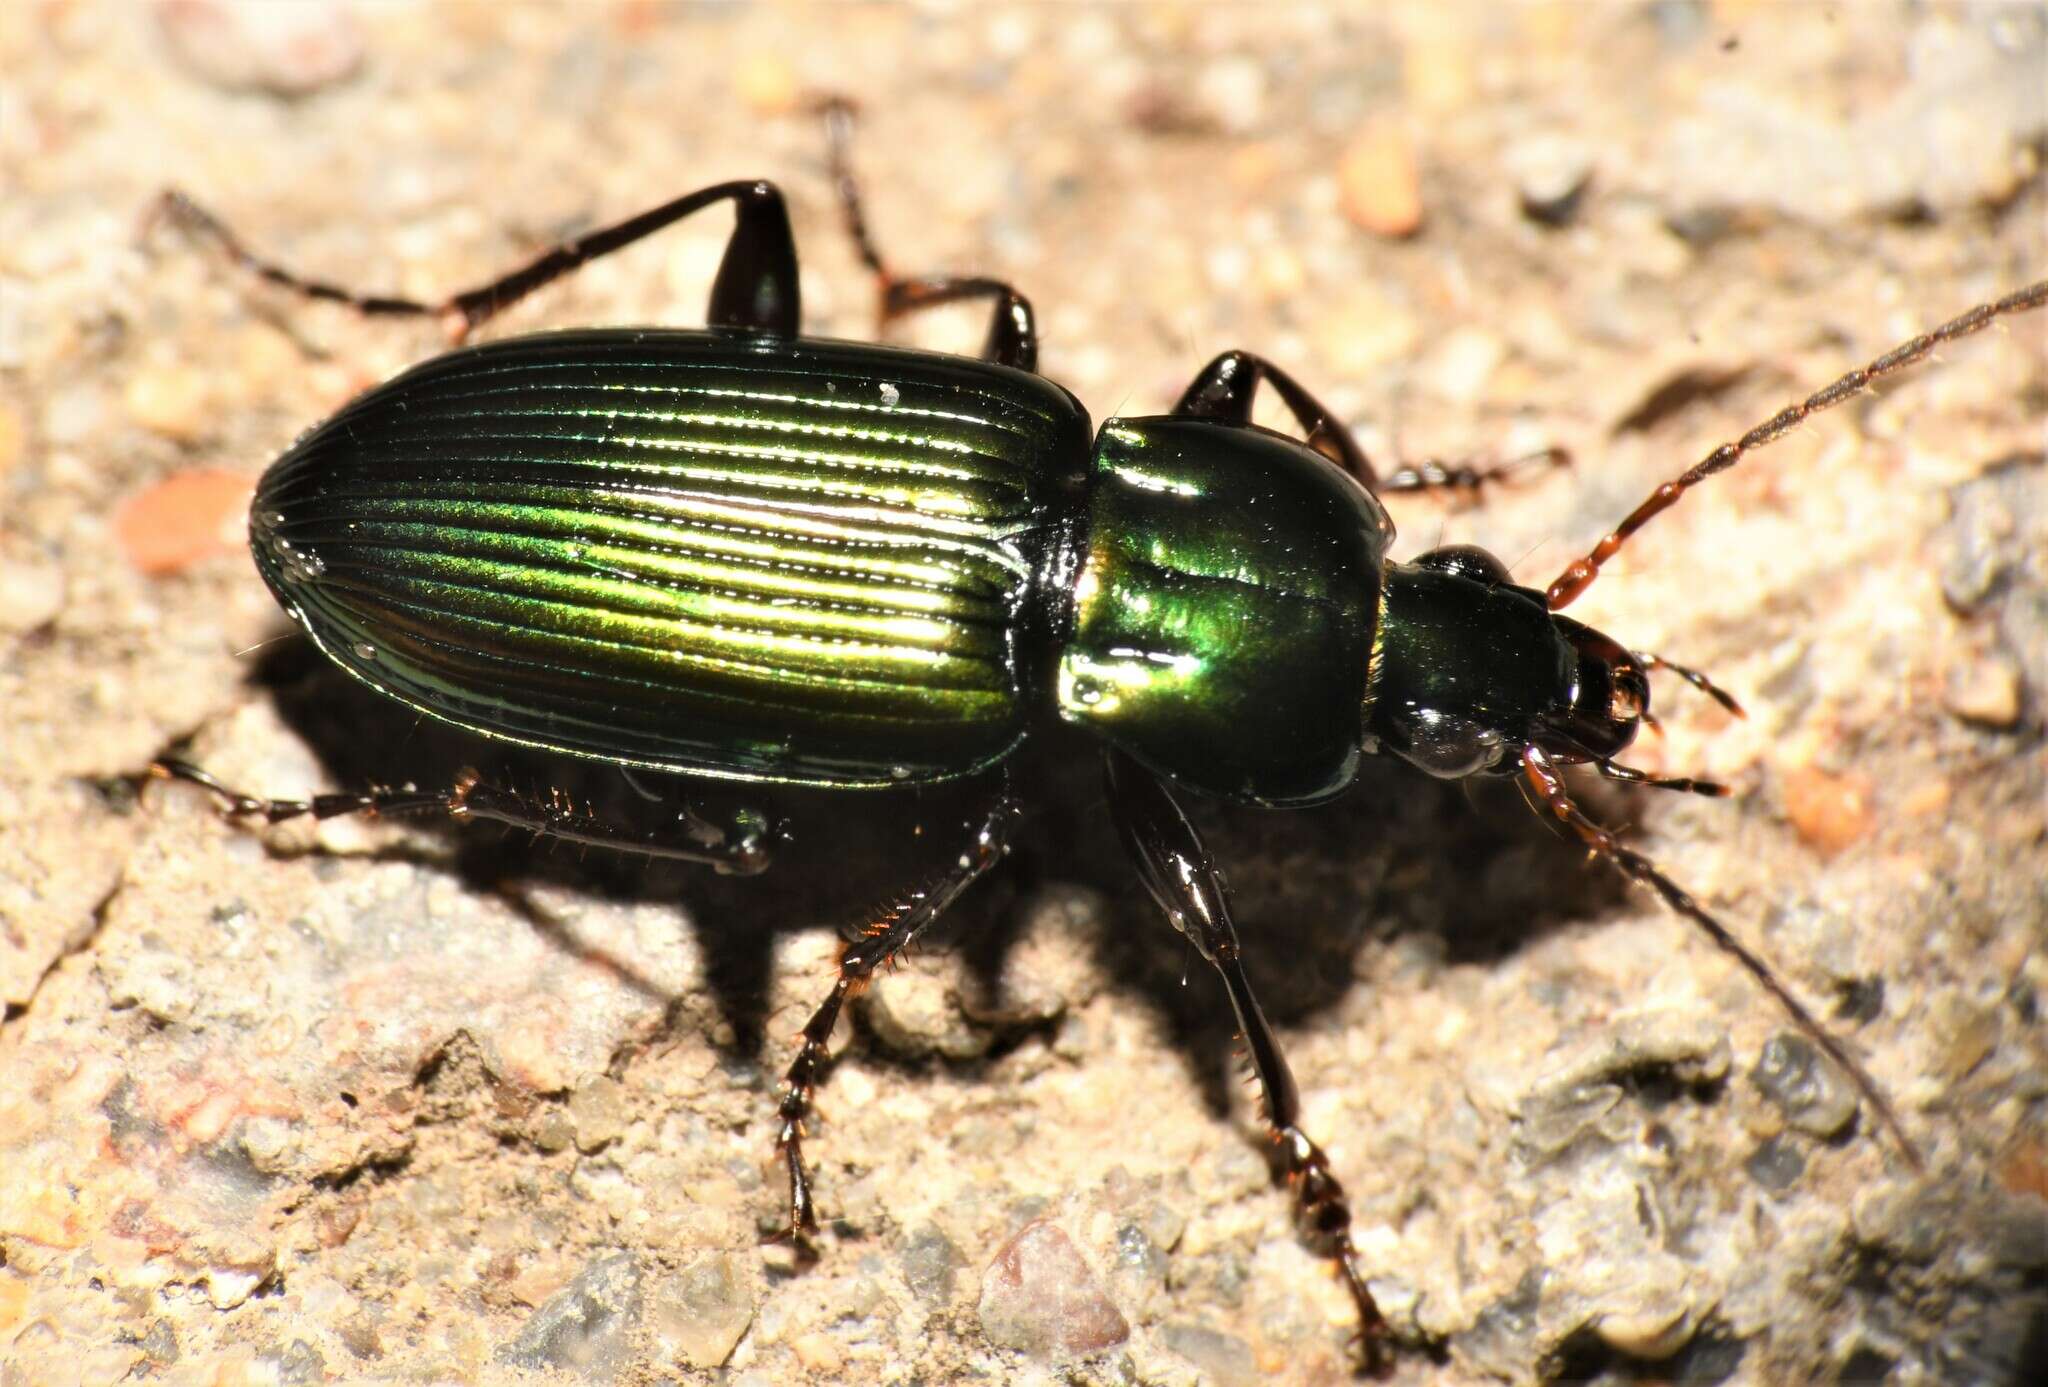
[1466, 561]
[1631, 696]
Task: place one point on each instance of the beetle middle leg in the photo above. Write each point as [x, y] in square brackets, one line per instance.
[755, 290]
[1013, 328]
[1185, 883]
[894, 930]
[741, 850]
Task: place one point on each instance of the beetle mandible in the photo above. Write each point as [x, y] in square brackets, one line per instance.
[739, 553]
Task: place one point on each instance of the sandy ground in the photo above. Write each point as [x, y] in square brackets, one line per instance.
[390, 1103]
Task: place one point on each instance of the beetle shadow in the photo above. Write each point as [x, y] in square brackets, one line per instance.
[1463, 872]
[825, 873]
[1451, 873]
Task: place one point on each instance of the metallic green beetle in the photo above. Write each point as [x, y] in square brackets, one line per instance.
[745, 554]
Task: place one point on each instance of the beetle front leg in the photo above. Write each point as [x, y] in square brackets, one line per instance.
[889, 934]
[1187, 886]
[741, 850]
[1227, 386]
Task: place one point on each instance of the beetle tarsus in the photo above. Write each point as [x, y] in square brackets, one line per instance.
[1466, 480]
[891, 930]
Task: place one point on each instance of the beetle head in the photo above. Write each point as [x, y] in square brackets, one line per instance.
[1469, 669]
[1610, 698]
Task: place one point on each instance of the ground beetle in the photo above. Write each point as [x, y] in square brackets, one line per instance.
[741, 553]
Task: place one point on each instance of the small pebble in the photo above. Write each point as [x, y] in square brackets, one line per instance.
[1962, 1031]
[1551, 174]
[1224, 1359]
[229, 1287]
[1040, 1297]
[288, 50]
[1986, 690]
[1232, 93]
[598, 1110]
[554, 1131]
[1651, 1333]
[31, 596]
[697, 1317]
[300, 1365]
[1776, 1165]
[929, 1262]
[917, 1013]
[182, 520]
[819, 1353]
[587, 1326]
[1379, 184]
[1829, 812]
[1804, 1085]
[766, 84]
[171, 399]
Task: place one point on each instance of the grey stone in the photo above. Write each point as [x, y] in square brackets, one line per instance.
[1225, 1358]
[698, 1316]
[930, 1264]
[1804, 1085]
[587, 1326]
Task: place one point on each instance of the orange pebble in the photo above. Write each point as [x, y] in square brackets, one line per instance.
[183, 519]
[1379, 184]
[1829, 812]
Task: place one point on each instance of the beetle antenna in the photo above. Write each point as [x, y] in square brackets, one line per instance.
[1580, 575]
[1542, 776]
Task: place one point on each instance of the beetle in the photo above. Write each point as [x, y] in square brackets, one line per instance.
[739, 553]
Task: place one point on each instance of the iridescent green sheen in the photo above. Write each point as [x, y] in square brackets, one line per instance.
[718, 553]
[1225, 610]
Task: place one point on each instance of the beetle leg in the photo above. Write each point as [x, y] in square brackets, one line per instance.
[1227, 386]
[1187, 886]
[1686, 784]
[742, 851]
[756, 287]
[1467, 479]
[1013, 328]
[890, 933]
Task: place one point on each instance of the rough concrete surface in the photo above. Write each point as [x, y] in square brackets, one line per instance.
[397, 1103]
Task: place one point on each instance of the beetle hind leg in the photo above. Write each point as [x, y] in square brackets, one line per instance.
[893, 930]
[755, 291]
[1187, 886]
[1013, 328]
